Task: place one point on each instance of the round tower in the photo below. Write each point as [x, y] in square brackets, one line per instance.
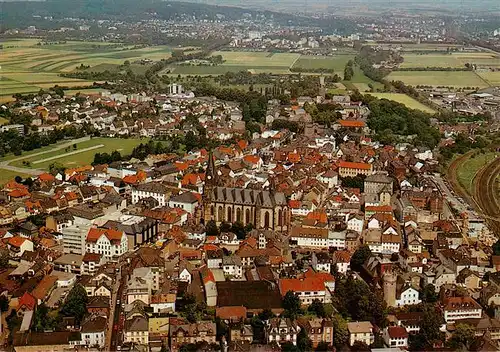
[389, 283]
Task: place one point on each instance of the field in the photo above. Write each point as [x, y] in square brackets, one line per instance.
[28, 65]
[493, 78]
[7, 175]
[439, 78]
[404, 99]
[470, 167]
[337, 62]
[454, 60]
[83, 155]
[423, 47]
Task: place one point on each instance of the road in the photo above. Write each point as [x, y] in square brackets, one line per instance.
[487, 193]
[116, 320]
[6, 164]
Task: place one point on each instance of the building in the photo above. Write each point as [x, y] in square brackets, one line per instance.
[180, 334]
[136, 330]
[281, 330]
[155, 190]
[18, 245]
[139, 229]
[396, 337]
[264, 209]
[93, 332]
[17, 128]
[231, 266]
[187, 201]
[109, 243]
[458, 308]
[350, 169]
[74, 237]
[319, 330]
[361, 331]
[407, 295]
[309, 237]
[378, 182]
[312, 286]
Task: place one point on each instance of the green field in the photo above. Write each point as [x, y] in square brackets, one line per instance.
[79, 156]
[7, 175]
[439, 78]
[454, 60]
[404, 99]
[469, 168]
[493, 78]
[337, 62]
[26, 67]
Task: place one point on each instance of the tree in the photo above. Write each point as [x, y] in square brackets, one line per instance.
[429, 329]
[304, 343]
[462, 337]
[18, 179]
[359, 257]
[496, 248]
[291, 304]
[163, 348]
[359, 346]
[317, 308]
[4, 258]
[4, 303]
[211, 228]
[76, 303]
[340, 332]
[266, 314]
[323, 347]
[429, 294]
[289, 347]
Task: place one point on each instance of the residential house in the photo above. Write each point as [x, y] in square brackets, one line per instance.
[281, 330]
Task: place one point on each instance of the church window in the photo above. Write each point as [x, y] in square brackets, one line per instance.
[247, 216]
[220, 213]
[238, 215]
[267, 219]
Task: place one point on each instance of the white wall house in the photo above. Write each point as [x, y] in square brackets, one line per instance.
[408, 296]
[155, 190]
[110, 244]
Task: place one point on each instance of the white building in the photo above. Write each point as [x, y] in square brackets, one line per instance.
[187, 201]
[155, 190]
[109, 243]
[408, 296]
[458, 308]
[360, 331]
[336, 239]
[355, 223]
[93, 332]
[74, 236]
[309, 237]
[231, 266]
[396, 337]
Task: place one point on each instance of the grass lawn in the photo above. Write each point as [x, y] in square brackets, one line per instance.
[257, 59]
[439, 78]
[337, 63]
[7, 175]
[404, 99]
[456, 60]
[470, 167]
[3, 121]
[124, 146]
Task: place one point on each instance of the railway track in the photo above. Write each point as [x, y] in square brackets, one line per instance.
[487, 194]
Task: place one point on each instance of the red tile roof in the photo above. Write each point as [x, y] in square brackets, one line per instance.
[27, 301]
[95, 233]
[46, 177]
[351, 165]
[352, 123]
[17, 241]
[301, 285]
[232, 312]
[397, 332]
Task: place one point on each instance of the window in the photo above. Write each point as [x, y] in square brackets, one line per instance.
[229, 215]
[267, 220]
[238, 215]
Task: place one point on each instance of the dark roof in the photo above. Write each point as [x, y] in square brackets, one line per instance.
[45, 338]
[250, 294]
[98, 302]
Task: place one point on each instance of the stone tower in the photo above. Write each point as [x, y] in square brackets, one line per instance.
[389, 283]
[208, 188]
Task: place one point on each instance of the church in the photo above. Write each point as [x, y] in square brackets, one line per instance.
[264, 209]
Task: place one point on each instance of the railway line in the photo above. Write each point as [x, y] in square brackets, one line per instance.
[487, 193]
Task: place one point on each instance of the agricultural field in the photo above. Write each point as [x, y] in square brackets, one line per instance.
[453, 60]
[423, 47]
[493, 78]
[7, 175]
[405, 100]
[28, 65]
[439, 78]
[83, 155]
[337, 62]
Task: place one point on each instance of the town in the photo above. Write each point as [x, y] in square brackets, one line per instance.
[187, 177]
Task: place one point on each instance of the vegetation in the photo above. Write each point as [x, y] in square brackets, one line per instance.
[76, 303]
[291, 304]
[359, 257]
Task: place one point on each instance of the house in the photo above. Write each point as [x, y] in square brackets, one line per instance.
[281, 330]
[407, 295]
[309, 237]
[99, 305]
[231, 266]
[321, 261]
[350, 169]
[396, 337]
[136, 330]
[27, 303]
[191, 333]
[109, 243]
[310, 287]
[156, 190]
[187, 201]
[360, 331]
[342, 260]
[17, 245]
[319, 330]
[241, 333]
[93, 332]
[231, 314]
[457, 308]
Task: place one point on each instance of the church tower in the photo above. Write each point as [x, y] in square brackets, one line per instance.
[208, 189]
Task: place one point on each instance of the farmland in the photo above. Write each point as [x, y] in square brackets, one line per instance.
[439, 78]
[28, 65]
[405, 100]
[493, 78]
[7, 175]
[453, 60]
[83, 155]
[337, 63]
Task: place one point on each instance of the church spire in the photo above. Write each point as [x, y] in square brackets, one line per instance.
[211, 172]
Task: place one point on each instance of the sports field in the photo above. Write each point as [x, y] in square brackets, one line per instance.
[439, 78]
[454, 60]
[27, 65]
[83, 155]
[404, 99]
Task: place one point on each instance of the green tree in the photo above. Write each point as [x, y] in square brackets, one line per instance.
[76, 303]
[360, 346]
[359, 257]
[323, 347]
[304, 343]
[429, 329]
[4, 258]
[317, 308]
[291, 304]
[429, 294]
[462, 337]
[211, 228]
[289, 347]
[340, 332]
[496, 248]
[4, 303]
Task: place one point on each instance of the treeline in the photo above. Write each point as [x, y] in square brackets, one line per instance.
[462, 145]
[393, 122]
[313, 70]
[280, 124]
[414, 93]
[368, 57]
[448, 69]
[349, 70]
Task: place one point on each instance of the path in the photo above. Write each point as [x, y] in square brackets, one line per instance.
[6, 164]
[69, 154]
